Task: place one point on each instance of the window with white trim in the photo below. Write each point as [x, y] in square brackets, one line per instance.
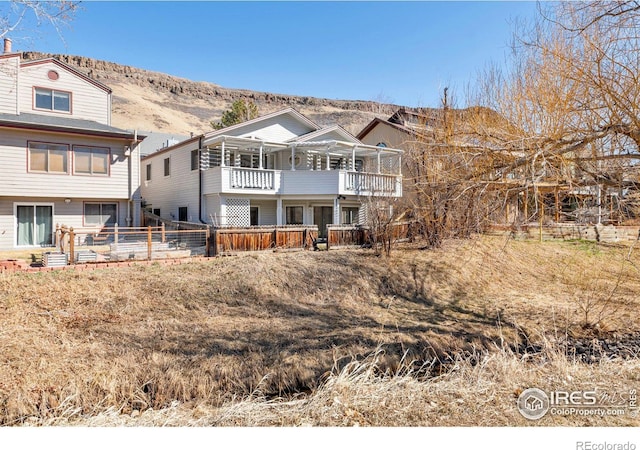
[52, 100]
[34, 225]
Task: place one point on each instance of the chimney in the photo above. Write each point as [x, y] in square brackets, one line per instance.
[7, 45]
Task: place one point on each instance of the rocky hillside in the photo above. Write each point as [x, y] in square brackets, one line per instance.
[153, 101]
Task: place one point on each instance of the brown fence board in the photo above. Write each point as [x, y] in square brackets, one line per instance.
[227, 240]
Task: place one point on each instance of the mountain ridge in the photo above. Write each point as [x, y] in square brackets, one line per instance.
[158, 102]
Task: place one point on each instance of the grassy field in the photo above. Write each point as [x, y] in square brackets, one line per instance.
[425, 337]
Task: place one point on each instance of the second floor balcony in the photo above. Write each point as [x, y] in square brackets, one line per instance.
[242, 180]
[246, 166]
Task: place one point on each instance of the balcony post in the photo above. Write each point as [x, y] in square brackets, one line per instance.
[399, 164]
[278, 211]
[293, 157]
[378, 161]
[223, 159]
[261, 150]
[328, 160]
[353, 158]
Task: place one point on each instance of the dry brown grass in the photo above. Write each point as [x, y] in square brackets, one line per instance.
[223, 341]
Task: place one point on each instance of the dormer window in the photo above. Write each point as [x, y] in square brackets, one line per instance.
[52, 100]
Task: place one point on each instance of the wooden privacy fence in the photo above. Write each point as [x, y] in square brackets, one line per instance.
[347, 235]
[229, 240]
[356, 235]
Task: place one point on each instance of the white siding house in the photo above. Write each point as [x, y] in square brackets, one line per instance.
[61, 160]
[274, 170]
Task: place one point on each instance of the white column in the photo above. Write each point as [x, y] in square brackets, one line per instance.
[279, 211]
[399, 164]
[328, 161]
[223, 211]
[261, 150]
[293, 157]
[378, 160]
[223, 160]
[336, 211]
[353, 159]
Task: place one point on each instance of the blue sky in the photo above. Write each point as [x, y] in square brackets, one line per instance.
[403, 52]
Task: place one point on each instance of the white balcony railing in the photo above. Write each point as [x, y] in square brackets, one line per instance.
[371, 183]
[245, 178]
[300, 182]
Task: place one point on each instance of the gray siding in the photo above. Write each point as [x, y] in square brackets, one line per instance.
[70, 214]
[9, 85]
[178, 189]
[266, 212]
[275, 129]
[17, 181]
[212, 209]
[88, 101]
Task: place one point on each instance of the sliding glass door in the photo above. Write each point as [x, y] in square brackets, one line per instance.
[34, 225]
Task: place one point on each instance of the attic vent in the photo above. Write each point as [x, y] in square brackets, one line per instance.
[53, 75]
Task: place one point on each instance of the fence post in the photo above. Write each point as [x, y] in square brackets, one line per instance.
[163, 233]
[58, 236]
[207, 243]
[115, 233]
[149, 243]
[72, 246]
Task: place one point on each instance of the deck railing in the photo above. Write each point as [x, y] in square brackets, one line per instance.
[245, 178]
[107, 244]
[371, 183]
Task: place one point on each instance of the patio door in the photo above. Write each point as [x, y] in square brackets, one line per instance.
[322, 216]
[34, 225]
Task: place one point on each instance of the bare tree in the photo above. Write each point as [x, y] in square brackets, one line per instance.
[56, 14]
[569, 110]
[448, 178]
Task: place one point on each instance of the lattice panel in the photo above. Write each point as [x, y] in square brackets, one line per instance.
[238, 212]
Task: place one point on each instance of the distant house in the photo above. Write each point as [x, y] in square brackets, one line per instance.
[61, 160]
[278, 169]
[402, 129]
[542, 190]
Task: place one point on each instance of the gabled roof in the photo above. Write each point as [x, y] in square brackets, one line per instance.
[417, 117]
[323, 131]
[64, 125]
[68, 68]
[290, 111]
[375, 122]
